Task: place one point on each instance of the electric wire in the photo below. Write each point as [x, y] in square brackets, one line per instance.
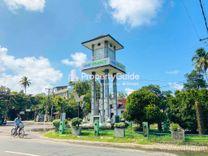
[203, 14]
[190, 19]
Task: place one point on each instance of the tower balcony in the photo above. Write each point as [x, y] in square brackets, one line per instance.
[99, 66]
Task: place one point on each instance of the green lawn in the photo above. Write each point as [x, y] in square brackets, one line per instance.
[131, 137]
[108, 136]
[197, 139]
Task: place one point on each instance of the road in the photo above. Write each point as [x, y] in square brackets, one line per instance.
[36, 146]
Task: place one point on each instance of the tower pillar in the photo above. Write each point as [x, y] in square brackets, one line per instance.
[102, 112]
[106, 95]
[93, 93]
[115, 96]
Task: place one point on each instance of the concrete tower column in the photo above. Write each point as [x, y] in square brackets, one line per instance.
[115, 96]
[93, 98]
[115, 103]
[106, 95]
[102, 100]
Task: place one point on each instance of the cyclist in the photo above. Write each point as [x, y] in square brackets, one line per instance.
[18, 124]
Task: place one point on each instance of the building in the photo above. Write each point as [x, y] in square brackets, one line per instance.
[61, 91]
[121, 106]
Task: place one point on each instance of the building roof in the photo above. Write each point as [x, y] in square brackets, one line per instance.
[98, 39]
[57, 87]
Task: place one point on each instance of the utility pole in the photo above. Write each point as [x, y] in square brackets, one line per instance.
[52, 105]
[48, 103]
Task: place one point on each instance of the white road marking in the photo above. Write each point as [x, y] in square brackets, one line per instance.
[20, 153]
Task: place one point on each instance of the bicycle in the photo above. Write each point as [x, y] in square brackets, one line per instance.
[20, 132]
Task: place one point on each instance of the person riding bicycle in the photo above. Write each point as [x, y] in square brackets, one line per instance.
[18, 124]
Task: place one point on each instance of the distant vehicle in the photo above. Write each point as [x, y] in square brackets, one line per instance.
[2, 120]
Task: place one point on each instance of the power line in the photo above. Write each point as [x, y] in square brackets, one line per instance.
[203, 39]
[203, 14]
[206, 8]
[190, 20]
[156, 80]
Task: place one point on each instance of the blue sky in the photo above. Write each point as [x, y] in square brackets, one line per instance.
[158, 36]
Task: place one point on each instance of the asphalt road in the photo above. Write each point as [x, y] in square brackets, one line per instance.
[37, 146]
[10, 146]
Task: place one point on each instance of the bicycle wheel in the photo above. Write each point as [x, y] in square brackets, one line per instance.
[21, 133]
[13, 132]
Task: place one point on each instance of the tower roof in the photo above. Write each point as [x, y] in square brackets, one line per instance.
[101, 38]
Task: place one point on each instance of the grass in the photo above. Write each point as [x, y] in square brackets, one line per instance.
[197, 139]
[131, 137]
[108, 136]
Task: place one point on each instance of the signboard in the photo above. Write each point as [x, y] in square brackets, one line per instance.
[96, 63]
[104, 62]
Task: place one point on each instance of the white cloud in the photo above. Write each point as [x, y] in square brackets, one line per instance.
[38, 70]
[129, 91]
[77, 60]
[2, 70]
[134, 12]
[173, 72]
[30, 5]
[175, 86]
[73, 75]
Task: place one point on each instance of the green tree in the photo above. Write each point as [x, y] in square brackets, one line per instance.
[181, 110]
[189, 109]
[161, 105]
[60, 103]
[162, 95]
[25, 82]
[154, 114]
[83, 88]
[143, 105]
[194, 80]
[200, 60]
[6, 100]
[12, 103]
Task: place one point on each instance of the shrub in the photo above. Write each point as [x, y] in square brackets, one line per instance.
[56, 124]
[75, 122]
[137, 127]
[120, 125]
[174, 127]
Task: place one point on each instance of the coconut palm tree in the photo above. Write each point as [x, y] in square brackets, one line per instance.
[200, 60]
[25, 82]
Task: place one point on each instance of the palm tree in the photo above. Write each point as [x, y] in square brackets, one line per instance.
[200, 60]
[25, 82]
